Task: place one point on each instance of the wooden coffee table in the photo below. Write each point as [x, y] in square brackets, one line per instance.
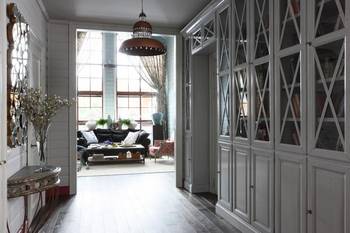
[104, 153]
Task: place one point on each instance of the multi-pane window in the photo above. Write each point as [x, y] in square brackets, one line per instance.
[135, 98]
[89, 74]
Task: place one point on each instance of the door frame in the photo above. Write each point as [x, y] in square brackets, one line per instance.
[73, 27]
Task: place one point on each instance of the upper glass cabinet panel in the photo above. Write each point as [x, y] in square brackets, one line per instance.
[329, 16]
[290, 96]
[330, 96]
[240, 32]
[261, 27]
[289, 23]
[225, 105]
[224, 35]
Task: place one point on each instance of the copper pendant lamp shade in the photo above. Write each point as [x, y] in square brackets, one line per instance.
[142, 43]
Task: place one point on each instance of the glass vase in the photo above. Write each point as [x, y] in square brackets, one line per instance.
[41, 145]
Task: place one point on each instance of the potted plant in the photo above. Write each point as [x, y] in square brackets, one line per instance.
[102, 122]
[40, 109]
[124, 123]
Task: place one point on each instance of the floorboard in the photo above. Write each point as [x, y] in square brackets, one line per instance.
[140, 203]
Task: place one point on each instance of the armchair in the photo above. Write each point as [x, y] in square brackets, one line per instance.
[160, 148]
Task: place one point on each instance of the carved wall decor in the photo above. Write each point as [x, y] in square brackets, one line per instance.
[17, 75]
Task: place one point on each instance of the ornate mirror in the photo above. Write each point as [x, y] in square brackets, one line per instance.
[17, 75]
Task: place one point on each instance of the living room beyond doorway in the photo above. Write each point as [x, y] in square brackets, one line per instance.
[124, 124]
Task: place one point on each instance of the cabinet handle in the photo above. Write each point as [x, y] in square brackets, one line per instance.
[3, 162]
[218, 172]
[33, 145]
[309, 212]
[252, 186]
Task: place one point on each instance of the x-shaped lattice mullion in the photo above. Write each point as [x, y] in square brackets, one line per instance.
[329, 91]
[261, 26]
[261, 97]
[225, 98]
[290, 10]
[224, 46]
[289, 97]
[241, 97]
[340, 10]
[240, 35]
[208, 30]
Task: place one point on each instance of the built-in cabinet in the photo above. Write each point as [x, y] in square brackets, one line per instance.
[283, 128]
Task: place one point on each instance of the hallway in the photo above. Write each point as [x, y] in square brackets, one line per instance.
[135, 204]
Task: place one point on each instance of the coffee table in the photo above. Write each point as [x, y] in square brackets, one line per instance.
[104, 153]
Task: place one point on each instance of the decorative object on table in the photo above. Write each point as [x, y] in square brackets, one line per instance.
[26, 182]
[109, 122]
[102, 122]
[17, 75]
[40, 109]
[157, 118]
[91, 125]
[142, 43]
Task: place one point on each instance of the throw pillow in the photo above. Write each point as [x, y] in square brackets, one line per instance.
[131, 138]
[143, 135]
[90, 137]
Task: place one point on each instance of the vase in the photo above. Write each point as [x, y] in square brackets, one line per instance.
[133, 125]
[41, 145]
[157, 118]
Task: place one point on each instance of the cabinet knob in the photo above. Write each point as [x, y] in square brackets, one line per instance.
[309, 212]
[252, 186]
[3, 162]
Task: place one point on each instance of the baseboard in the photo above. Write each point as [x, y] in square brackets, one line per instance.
[240, 224]
[200, 188]
[196, 188]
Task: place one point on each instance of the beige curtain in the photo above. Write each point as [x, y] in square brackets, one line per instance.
[154, 74]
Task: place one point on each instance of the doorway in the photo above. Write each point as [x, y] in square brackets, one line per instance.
[200, 149]
[114, 96]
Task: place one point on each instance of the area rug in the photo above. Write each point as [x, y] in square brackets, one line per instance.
[113, 168]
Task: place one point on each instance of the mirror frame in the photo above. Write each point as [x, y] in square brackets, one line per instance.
[17, 75]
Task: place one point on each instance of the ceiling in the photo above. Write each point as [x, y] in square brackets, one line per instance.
[161, 13]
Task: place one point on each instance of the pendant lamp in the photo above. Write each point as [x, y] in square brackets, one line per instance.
[142, 43]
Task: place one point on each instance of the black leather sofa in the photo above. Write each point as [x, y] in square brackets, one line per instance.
[115, 136]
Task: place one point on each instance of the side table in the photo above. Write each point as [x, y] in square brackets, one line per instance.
[26, 182]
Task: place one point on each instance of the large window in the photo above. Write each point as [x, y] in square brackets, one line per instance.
[89, 74]
[135, 98]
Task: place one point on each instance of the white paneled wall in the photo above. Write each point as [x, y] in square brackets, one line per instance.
[58, 83]
[16, 157]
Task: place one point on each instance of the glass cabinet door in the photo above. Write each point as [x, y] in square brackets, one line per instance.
[240, 10]
[327, 60]
[261, 70]
[290, 70]
[224, 76]
[224, 41]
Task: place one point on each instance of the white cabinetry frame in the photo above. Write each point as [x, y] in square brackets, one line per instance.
[283, 114]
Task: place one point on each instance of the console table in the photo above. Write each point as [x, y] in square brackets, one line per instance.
[26, 182]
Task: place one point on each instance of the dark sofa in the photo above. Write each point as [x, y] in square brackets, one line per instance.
[115, 136]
